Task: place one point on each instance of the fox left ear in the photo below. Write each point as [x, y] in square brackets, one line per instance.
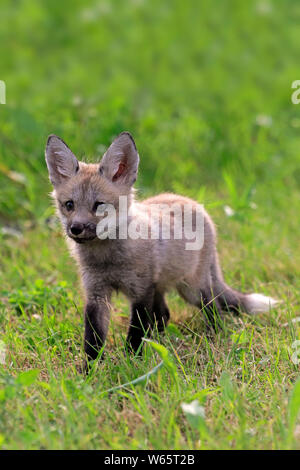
[120, 162]
[61, 162]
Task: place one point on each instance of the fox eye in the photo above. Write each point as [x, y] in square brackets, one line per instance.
[69, 205]
[96, 205]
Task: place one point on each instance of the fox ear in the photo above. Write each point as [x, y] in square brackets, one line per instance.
[121, 160]
[61, 162]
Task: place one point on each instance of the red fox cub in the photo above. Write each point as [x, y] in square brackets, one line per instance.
[121, 244]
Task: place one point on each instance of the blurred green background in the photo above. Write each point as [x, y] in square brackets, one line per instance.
[204, 89]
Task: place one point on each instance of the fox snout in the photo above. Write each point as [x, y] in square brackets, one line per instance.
[77, 228]
[81, 232]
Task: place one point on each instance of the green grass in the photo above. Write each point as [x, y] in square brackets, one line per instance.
[206, 92]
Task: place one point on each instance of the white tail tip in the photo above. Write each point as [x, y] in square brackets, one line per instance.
[258, 303]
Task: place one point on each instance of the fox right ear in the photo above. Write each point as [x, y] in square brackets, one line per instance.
[120, 162]
[61, 162]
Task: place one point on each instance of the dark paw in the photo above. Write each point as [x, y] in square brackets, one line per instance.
[162, 323]
[134, 348]
[83, 368]
[88, 364]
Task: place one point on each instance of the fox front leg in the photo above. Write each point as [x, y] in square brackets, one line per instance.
[160, 311]
[151, 311]
[96, 321]
[141, 321]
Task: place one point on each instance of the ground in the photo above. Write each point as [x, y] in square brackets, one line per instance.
[206, 92]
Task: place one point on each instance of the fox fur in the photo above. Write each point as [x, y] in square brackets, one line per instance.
[143, 269]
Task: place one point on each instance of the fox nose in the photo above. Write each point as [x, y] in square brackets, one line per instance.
[76, 228]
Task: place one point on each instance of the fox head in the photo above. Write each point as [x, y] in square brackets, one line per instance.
[81, 188]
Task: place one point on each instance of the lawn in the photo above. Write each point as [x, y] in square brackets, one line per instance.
[205, 90]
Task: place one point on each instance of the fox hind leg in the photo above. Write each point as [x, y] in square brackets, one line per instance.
[211, 308]
[204, 299]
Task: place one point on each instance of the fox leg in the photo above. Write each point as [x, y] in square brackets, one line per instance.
[96, 325]
[204, 299]
[144, 314]
[160, 311]
[141, 320]
[211, 307]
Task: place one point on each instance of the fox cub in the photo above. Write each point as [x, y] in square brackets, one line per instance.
[143, 268]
